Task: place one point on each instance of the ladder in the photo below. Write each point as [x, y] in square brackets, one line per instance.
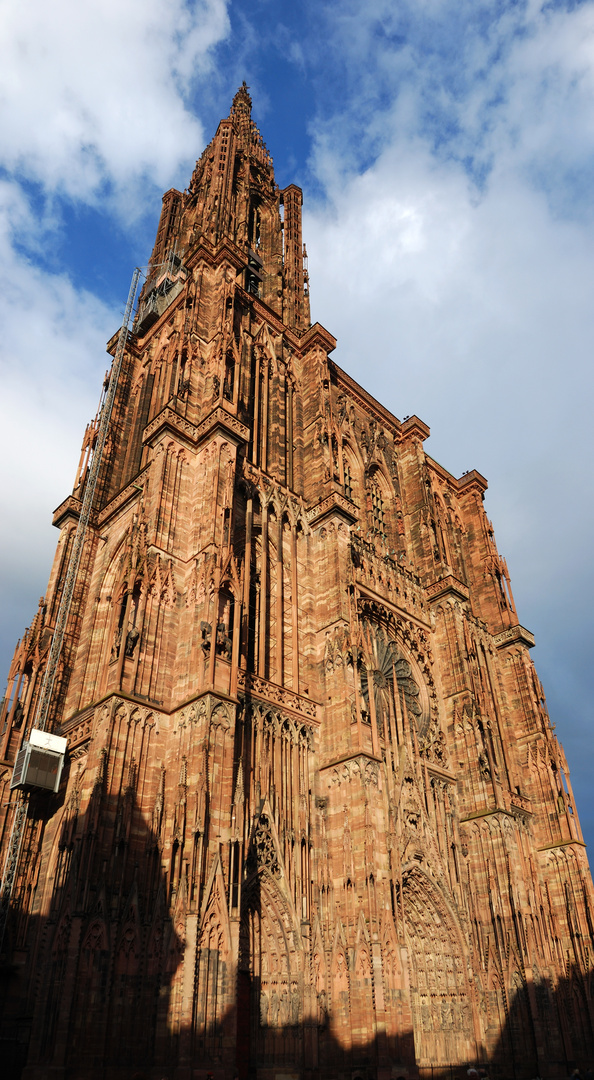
[51, 670]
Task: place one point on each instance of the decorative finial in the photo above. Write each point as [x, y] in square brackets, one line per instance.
[242, 102]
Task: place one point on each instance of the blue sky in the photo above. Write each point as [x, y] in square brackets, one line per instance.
[445, 149]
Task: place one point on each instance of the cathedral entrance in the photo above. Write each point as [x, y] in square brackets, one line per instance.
[270, 982]
[440, 994]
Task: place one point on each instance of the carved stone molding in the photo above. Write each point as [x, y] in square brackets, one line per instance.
[80, 751]
[515, 635]
[70, 508]
[361, 767]
[81, 721]
[192, 434]
[277, 695]
[207, 709]
[447, 586]
[282, 724]
[132, 490]
[472, 482]
[414, 428]
[263, 854]
[133, 712]
[317, 335]
[335, 503]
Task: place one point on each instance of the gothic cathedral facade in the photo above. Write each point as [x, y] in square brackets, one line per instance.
[314, 820]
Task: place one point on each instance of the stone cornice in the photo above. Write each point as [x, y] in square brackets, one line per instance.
[277, 695]
[317, 335]
[359, 765]
[490, 813]
[365, 400]
[472, 481]
[70, 508]
[79, 730]
[195, 434]
[520, 802]
[438, 771]
[398, 610]
[353, 756]
[514, 635]
[562, 843]
[267, 315]
[334, 503]
[131, 491]
[447, 586]
[414, 428]
[225, 251]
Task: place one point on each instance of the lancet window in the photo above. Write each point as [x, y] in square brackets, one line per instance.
[348, 481]
[229, 382]
[377, 510]
[351, 475]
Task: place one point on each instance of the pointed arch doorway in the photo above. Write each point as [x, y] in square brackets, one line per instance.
[442, 1006]
[270, 968]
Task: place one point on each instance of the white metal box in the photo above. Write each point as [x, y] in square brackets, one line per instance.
[40, 761]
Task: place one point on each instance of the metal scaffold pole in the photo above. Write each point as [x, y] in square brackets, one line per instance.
[51, 670]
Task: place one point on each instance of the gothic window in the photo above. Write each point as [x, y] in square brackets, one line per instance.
[389, 677]
[348, 481]
[253, 276]
[133, 632]
[117, 641]
[351, 474]
[377, 510]
[224, 631]
[228, 384]
[255, 228]
[183, 384]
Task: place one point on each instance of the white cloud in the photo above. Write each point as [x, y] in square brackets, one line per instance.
[93, 109]
[479, 81]
[52, 362]
[96, 92]
[453, 257]
[469, 302]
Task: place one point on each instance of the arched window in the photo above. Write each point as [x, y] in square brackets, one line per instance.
[229, 381]
[351, 475]
[389, 677]
[377, 510]
[348, 481]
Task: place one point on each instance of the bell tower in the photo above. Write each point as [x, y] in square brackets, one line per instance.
[313, 819]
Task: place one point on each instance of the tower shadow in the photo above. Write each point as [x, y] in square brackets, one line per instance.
[94, 984]
[548, 1031]
[89, 962]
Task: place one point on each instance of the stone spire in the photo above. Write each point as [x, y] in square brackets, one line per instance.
[233, 197]
[242, 103]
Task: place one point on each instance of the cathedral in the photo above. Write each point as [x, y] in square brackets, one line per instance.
[313, 821]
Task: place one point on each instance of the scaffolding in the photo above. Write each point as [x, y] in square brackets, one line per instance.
[51, 669]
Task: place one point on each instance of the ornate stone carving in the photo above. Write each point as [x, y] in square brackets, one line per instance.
[358, 768]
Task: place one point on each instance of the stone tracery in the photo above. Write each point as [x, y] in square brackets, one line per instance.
[318, 785]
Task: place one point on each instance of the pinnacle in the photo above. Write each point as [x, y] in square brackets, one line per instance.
[242, 102]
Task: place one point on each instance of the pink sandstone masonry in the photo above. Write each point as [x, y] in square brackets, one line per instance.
[314, 822]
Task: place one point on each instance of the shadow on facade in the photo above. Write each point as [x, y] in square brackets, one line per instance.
[547, 1031]
[96, 990]
[549, 1039]
[89, 965]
